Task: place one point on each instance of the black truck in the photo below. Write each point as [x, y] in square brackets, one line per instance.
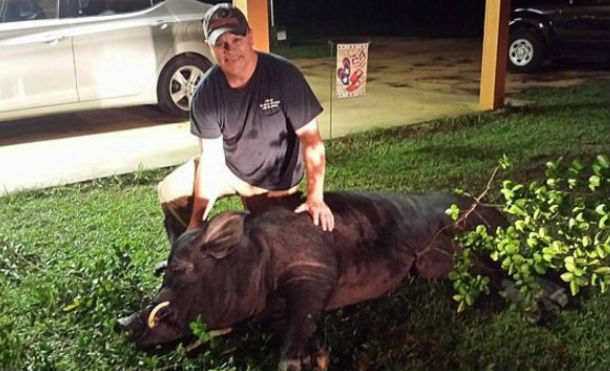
[542, 30]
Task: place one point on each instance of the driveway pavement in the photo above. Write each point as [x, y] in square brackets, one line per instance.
[409, 81]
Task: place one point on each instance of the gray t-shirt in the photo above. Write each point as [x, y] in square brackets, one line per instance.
[258, 122]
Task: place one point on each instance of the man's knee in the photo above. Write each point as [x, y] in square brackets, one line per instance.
[161, 192]
[178, 183]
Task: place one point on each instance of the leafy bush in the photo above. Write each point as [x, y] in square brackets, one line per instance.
[557, 227]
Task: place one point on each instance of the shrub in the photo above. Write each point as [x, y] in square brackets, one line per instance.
[560, 226]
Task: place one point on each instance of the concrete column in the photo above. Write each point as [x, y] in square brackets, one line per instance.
[258, 17]
[495, 53]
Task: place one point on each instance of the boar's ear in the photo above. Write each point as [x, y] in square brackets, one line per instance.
[223, 234]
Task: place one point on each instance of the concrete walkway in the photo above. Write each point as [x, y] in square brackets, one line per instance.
[69, 160]
[409, 81]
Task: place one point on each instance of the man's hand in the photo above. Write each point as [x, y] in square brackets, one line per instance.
[320, 213]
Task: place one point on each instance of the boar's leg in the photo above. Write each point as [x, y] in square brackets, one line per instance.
[320, 357]
[306, 299]
[553, 296]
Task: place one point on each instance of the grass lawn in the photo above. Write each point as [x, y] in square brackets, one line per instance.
[317, 48]
[74, 258]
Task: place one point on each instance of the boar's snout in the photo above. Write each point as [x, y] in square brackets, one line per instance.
[153, 327]
[133, 325]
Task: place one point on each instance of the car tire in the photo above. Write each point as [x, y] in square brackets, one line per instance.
[526, 51]
[177, 83]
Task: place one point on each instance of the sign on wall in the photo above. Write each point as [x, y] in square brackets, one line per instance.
[352, 60]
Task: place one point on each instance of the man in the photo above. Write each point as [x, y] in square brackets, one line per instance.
[256, 117]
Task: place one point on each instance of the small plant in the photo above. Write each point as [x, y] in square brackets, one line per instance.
[560, 226]
[141, 176]
[200, 331]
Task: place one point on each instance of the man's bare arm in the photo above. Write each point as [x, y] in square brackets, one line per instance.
[315, 164]
[206, 188]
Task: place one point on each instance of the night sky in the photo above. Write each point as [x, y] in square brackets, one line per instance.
[428, 18]
[442, 18]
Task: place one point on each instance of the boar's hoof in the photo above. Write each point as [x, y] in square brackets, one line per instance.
[554, 297]
[293, 364]
[321, 359]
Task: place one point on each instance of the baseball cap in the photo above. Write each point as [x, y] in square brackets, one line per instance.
[221, 18]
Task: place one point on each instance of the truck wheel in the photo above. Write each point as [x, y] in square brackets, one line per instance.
[526, 51]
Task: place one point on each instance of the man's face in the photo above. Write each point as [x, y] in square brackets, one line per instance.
[234, 52]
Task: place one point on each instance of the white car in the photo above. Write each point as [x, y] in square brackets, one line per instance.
[66, 55]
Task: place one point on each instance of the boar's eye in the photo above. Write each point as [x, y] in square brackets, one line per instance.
[180, 268]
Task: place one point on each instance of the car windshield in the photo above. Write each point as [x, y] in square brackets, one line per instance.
[25, 10]
[88, 8]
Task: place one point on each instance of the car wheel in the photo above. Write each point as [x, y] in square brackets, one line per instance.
[526, 51]
[178, 82]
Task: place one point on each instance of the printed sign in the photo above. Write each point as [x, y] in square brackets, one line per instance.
[352, 60]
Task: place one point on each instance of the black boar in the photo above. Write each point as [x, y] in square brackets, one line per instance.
[251, 267]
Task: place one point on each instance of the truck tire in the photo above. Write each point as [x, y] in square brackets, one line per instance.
[526, 51]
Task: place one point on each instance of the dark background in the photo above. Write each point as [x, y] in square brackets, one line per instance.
[430, 18]
[337, 18]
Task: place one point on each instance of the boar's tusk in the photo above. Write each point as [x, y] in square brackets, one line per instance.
[152, 321]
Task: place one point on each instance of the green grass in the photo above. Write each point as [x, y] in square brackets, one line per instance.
[317, 48]
[74, 258]
[310, 48]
